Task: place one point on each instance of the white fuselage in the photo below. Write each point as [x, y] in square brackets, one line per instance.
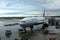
[32, 21]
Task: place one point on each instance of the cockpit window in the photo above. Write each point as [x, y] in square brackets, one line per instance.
[22, 22]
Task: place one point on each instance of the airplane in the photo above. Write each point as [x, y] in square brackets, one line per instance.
[11, 31]
[31, 21]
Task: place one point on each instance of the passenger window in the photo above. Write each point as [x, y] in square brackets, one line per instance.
[33, 19]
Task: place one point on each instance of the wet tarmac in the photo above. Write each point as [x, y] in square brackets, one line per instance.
[36, 35]
[53, 33]
[14, 30]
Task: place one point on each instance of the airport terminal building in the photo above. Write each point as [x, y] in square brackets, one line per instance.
[52, 19]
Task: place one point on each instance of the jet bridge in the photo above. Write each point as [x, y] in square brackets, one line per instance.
[54, 21]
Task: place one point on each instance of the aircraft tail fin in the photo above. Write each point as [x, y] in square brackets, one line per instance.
[44, 13]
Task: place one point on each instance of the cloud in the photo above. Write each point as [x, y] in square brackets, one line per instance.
[30, 6]
[3, 4]
[53, 5]
[9, 11]
[16, 5]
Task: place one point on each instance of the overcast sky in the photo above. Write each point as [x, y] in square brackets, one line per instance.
[29, 6]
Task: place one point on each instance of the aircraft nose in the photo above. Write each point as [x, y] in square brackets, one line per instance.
[22, 23]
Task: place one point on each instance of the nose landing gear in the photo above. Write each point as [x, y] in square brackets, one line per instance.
[45, 25]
